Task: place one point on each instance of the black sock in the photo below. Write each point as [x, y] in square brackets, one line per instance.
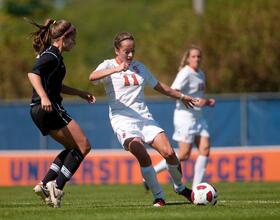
[69, 167]
[55, 167]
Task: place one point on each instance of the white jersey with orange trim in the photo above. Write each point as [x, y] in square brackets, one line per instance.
[189, 82]
[125, 91]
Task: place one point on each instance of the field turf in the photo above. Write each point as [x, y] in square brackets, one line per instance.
[236, 201]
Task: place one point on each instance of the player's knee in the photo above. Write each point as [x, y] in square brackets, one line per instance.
[205, 151]
[184, 157]
[168, 154]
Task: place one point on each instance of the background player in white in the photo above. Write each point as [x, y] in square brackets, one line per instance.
[190, 125]
[124, 80]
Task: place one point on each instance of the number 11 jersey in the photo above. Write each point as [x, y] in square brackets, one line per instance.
[125, 91]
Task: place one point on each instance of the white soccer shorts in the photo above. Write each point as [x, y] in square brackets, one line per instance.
[187, 128]
[147, 130]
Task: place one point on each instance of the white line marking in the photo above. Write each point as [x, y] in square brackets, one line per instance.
[251, 201]
[238, 201]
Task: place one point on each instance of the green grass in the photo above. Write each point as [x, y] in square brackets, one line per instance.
[236, 201]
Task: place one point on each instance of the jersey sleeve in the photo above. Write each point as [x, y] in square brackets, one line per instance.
[149, 77]
[181, 80]
[102, 66]
[45, 64]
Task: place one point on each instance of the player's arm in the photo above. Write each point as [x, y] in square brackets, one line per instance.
[166, 90]
[36, 82]
[83, 94]
[99, 74]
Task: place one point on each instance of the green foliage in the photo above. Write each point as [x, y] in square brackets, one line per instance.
[26, 7]
[242, 55]
[239, 39]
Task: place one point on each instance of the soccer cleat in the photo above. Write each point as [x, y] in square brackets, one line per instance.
[43, 192]
[55, 194]
[147, 188]
[159, 202]
[187, 193]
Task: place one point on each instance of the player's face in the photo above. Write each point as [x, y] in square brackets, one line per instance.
[126, 51]
[69, 42]
[194, 59]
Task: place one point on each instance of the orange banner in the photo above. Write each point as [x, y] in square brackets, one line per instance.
[120, 167]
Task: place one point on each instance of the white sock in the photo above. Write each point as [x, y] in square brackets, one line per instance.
[176, 176]
[199, 169]
[160, 166]
[150, 178]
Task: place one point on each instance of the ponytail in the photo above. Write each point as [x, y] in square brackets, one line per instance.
[183, 61]
[50, 31]
[42, 37]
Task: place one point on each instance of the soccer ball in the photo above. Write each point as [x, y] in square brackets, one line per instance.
[204, 194]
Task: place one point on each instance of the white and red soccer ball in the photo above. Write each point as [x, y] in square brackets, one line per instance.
[204, 194]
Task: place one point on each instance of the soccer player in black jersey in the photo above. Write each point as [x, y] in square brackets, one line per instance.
[47, 112]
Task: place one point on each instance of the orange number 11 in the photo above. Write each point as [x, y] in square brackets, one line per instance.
[126, 81]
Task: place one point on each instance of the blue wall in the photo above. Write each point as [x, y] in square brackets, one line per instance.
[234, 121]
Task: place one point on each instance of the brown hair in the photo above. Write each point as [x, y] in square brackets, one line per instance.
[186, 55]
[121, 37]
[50, 30]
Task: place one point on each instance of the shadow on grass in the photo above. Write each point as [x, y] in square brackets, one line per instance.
[177, 203]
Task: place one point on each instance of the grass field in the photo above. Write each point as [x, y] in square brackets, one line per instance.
[236, 201]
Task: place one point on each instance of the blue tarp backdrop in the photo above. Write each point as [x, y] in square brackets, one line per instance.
[235, 121]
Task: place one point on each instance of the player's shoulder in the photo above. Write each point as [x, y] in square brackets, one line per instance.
[185, 71]
[200, 71]
[108, 63]
[136, 64]
[49, 55]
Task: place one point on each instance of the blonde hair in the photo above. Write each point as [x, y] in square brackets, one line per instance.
[184, 60]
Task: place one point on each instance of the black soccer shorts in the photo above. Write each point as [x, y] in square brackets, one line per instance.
[47, 121]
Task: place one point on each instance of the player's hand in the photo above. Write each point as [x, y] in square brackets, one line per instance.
[189, 101]
[122, 67]
[88, 97]
[46, 104]
[202, 102]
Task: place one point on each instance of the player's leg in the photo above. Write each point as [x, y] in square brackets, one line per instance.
[137, 148]
[163, 146]
[184, 150]
[160, 166]
[45, 122]
[74, 139]
[55, 167]
[203, 145]
[40, 189]
[183, 154]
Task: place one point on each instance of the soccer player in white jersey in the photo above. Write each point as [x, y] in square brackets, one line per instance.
[190, 125]
[124, 80]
